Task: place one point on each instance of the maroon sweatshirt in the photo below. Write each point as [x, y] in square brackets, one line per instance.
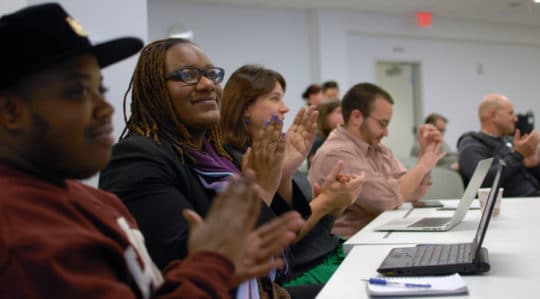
[75, 241]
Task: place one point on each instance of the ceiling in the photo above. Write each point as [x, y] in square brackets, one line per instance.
[516, 12]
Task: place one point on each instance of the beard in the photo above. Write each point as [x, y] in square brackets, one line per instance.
[368, 135]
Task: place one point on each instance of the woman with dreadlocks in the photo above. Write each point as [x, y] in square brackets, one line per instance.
[171, 156]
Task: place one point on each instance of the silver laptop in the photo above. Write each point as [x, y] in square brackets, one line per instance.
[443, 223]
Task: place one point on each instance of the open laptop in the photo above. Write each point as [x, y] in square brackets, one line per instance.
[443, 223]
[434, 259]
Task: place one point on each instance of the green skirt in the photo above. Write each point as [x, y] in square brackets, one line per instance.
[321, 273]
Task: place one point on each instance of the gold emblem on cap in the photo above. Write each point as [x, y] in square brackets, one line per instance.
[76, 26]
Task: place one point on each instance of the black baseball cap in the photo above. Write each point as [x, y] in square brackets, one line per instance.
[37, 37]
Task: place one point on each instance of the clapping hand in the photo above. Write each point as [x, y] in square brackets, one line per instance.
[428, 135]
[265, 157]
[526, 146]
[339, 190]
[430, 156]
[300, 137]
[228, 230]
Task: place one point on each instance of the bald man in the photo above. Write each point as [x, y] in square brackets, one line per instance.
[497, 124]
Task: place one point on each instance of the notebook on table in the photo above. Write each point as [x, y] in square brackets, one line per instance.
[434, 259]
[439, 285]
[443, 223]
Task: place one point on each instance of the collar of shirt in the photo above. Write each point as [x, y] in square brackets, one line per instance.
[364, 147]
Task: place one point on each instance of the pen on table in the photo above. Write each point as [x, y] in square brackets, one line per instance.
[381, 281]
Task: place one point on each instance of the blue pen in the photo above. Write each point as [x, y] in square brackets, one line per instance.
[381, 281]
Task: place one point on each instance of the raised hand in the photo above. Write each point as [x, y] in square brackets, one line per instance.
[264, 245]
[430, 155]
[230, 220]
[228, 230]
[526, 145]
[300, 137]
[265, 157]
[427, 135]
[339, 190]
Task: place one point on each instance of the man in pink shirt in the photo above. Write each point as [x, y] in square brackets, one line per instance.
[367, 111]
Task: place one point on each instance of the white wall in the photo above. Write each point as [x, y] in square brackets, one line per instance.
[318, 45]
[9, 6]
[450, 54]
[233, 36]
[456, 74]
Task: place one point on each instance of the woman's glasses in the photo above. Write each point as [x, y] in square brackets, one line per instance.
[192, 75]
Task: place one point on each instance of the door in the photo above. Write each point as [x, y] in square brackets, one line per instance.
[401, 80]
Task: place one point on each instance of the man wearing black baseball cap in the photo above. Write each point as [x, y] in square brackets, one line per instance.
[62, 239]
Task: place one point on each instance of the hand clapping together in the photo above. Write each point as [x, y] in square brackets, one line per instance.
[526, 145]
[234, 213]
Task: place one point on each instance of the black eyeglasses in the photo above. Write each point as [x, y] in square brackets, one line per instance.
[192, 75]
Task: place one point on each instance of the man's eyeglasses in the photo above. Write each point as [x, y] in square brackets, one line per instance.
[382, 123]
[192, 75]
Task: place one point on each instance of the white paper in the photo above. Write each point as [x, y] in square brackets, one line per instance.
[440, 285]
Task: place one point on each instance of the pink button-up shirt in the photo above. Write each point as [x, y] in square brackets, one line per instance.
[382, 170]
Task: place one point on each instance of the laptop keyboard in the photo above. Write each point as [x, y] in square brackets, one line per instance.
[442, 254]
[431, 222]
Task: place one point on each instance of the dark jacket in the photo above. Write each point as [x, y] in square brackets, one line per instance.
[156, 186]
[516, 180]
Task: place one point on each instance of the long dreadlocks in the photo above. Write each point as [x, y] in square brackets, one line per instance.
[152, 111]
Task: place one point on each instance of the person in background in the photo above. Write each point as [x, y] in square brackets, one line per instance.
[63, 239]
[497, 122]
[330, 117]
[313, 95]
[252, 96]
[367, 112]
[439, 122]
[330, 90]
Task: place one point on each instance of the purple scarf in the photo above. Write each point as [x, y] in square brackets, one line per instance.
[211, 168]
[213, 171]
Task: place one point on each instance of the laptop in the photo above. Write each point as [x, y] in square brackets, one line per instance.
[443, 223]
[435, 259]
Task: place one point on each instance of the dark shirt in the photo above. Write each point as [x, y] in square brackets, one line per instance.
[316, 144]
[517, 180]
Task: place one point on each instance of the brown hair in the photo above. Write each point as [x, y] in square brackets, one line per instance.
[361, 97]
[433, 117]
[312, 89]
[244, 86]
[323, 129]
[329, 84]
[152, 111]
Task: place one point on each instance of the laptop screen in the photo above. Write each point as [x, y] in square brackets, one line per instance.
[488, 210]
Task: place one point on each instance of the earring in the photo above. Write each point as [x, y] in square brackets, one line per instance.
[247, 121]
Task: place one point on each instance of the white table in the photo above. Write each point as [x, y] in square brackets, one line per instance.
[512, 273]
[512, 239]
[518, 216]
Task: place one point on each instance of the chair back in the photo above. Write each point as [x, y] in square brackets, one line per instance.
[447, 184]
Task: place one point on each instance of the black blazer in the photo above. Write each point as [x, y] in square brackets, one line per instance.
[156, 186]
